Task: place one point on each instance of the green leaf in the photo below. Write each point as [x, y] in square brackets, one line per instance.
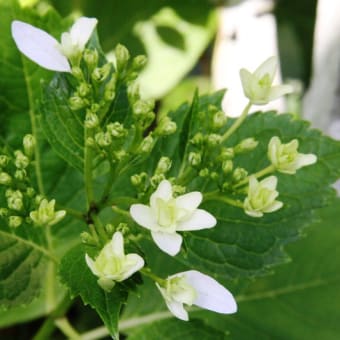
[302, 300]
[79, 279]
[175, 329]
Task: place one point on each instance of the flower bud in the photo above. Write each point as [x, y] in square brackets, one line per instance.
[227, 153]
[214, 175]
[204, 172]
[214, 139]
[116, 130]
[45, 215]
[3, 212]
[227, 166]
[21, 161]
[139, 62]
[14, 200]
[156, 179]
[147, 144]
[194, 159]
[163, 165]
[83, 89]
[166, 127]
[90, 141]
[30, 192]
[141, 107]
[109, 228]
[77, 103]
[3, 160]
[197, 139]
[77, 73]
[139, 180]
[122, 56]
[91, 58]
[5, 178]
[219, 119]
[87, 238]
[247, 144]
[15, 221]
[239, 174]
[29, 144]
[20, 174]
[103, 139]
[91, 120]
[133, 92]
[120, 154]
[99, 74]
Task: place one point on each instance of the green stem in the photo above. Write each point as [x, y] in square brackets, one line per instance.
[88, 156]
[120, 211]
[268, 170]
[237, 123]
[216, 196]
[147, 272]
[71, 212]
[99, 228]
[64, 325]
[48, 326]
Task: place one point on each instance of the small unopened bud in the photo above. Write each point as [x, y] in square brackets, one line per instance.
[141, 107]
[83, 89]
[87, 238]
[21, 161]
[99, 74]
[227, 153]
[3, 160]
[15, 221]
[214, 175]
[109, 95]
[204, 172]
[227, 166]
[133, 92]
[77, 73]
[5, 178]
[109, 228]
[247, 144]
[29, 144]
[91, 120]
[163, 165]
[122, 56]
[166, 127]
[103, 139]
[14, 200]
[77, 103]
[116, 130]
[123, 228]
[214, 139]
[219, 119]
[178, 190]
[3, 212]
[139, 180]
[156, 179]
[90, 141]
[30, 192]
[20, 174]
[197, 139]
[239, 174]
[147, 144]
[91, 58]
[120, 154]
[195, 158]
[139, 62]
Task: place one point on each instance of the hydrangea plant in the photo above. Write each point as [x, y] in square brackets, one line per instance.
[120, 202]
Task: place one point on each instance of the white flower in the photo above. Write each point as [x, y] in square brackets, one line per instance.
[45, 214]
[45, 50]
[257, 86]
[286, 158]
[194, 288]
[261, 197]
[166, 215]
[112, 265]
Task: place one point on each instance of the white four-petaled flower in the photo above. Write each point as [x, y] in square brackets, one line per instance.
[257, 86]
[194, 288]
[166, 215]
[286, 158]
[112, 265]
[46, 51]
[261, 197]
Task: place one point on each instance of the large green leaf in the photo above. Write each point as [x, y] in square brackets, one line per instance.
[77, 276]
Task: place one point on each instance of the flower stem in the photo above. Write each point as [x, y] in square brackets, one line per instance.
[237, 123]
[268, 170]
[64, 325]
[121, 211]
[217, 196]
[99, 228]
[147, 272]
[88, 156]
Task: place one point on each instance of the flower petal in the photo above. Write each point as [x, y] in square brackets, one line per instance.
[276, 205]
[305, 159]
[143, 215]
[279, 91]
[117, 244]
[200, 219]
[211, 295]
[163, 191]
[269, 182]
[81, 31]
[136, 262]
[39, 46]
[189, 201]
[91, 265]
[169, 243]
[246, 80]
[267, 67]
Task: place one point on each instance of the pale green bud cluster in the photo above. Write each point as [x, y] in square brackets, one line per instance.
[165, 127]
[14, 199]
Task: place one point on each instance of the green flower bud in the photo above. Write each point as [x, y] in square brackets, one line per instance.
[197, 139]
[227, 166]
[90, 141]
[77, 73]
[45, 215]
[20, 175]
[214, 175]
[87, 238]
[139, 62]
[178, 190]
[122, 56]
[141, 107]
[204, 172]
[109, 95]
[147, 144]
[38, 199]
[103, 139]
[21, 161]
[116, 130]
[29, 144]
[3, 161]
[227, 153]
[30, 192]
[247, 144]
[133, 92]
[219, 119]
[239, 174]
[15, 221]
[77, 103]
[91, 120]
[5, 178]
[163, 165]
[139, 180]
[123, 228]
[109, 228]
[14, 200]
[166, 127]
[3, 212]
[83, 90]
[195, 158]
[156, 179]
[214, 139]
[120, 154]
[91, 58]
[99, 74]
